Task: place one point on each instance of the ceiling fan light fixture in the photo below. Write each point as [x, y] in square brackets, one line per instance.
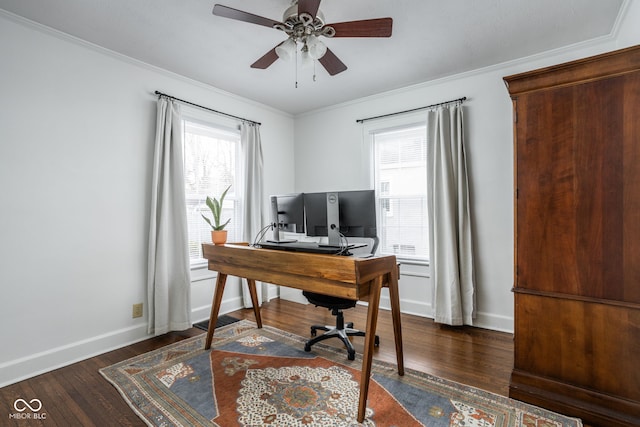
[287, 49]
[316, 48]
[306, 61]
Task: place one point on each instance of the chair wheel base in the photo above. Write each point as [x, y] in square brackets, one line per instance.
[343, 330]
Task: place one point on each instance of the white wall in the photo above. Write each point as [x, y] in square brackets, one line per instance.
[331, 155]
[77, 126]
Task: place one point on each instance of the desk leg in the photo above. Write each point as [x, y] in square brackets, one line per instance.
[254, 300]
[215, 308]
[394, 296]
[369, 340]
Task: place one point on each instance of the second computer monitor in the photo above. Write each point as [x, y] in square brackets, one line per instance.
[287, 214]
[356, 214]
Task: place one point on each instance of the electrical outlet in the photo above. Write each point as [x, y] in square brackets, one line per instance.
[137, 310]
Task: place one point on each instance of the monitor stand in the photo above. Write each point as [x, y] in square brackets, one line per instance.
[333, 220]
[276, 236]
[274, 225]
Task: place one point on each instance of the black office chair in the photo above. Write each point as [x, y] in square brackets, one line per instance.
[341, 330]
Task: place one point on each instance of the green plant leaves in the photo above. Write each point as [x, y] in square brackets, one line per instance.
[215, 207]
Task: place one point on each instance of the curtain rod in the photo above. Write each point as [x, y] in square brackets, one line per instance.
[207, 108]
[464, 98]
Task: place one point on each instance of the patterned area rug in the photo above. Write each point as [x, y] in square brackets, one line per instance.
[262, 377]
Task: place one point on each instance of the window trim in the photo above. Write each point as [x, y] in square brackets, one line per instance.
[389, 124]
[224, 125]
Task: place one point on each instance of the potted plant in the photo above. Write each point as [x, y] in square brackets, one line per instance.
[218, 233]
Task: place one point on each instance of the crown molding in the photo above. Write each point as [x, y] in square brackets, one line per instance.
[132, 61]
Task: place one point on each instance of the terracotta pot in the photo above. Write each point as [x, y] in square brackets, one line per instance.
[219, 237]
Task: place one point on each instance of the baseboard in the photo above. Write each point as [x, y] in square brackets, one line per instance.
[494, 322]
[199, 314]
[421, 309]
[23, 368]
[415, 308]
[58, 357]
[293, 295]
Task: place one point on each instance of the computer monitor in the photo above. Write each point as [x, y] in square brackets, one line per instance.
[346, 213]
[358, 213]
[315, 208]
[287, 214]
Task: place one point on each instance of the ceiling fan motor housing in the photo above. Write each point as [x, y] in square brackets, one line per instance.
[299, 26]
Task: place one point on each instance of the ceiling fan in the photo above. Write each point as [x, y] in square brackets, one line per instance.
[303, 23]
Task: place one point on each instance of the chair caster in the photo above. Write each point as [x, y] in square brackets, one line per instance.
[313, 332]
[376, 341]
[307, 348]
[351, 356]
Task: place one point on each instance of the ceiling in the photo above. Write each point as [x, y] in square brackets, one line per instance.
[431, 39]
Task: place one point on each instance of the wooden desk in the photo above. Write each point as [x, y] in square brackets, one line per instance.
[342, 276]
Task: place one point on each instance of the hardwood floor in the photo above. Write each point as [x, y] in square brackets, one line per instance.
[77, 395]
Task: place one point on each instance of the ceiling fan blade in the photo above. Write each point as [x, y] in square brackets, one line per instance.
[331, 63]
[239, 15]
[380, 27]
[308, 6]
[267, 59]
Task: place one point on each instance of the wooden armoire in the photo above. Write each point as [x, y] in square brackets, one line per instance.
[577, 238]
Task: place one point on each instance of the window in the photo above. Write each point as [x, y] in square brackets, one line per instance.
[211, 164]
[384, 192]
[400, 175]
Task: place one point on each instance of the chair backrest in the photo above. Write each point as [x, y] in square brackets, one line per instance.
[328, 301]
[370, 249]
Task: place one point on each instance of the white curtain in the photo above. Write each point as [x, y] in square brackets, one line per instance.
[252, 215]
[450, 234]
[169, 275]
